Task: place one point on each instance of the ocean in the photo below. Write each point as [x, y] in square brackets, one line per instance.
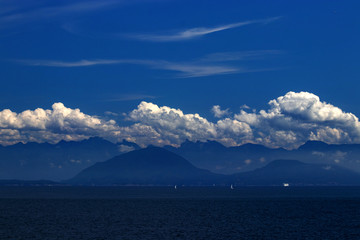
[182, 213]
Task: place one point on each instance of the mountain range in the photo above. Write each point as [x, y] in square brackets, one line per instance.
[61, 161]
[34, 161]
[157, 166]
[217, 158]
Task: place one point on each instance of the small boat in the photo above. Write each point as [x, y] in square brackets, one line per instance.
[175, 187]
[286, 184]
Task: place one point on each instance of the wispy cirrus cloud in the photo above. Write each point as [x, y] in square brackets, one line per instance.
[195, 32]
[24, 12]
[80, 63]
[185, 70]
[193, 68]
[210, 65]
[240, 55]
[188, 70]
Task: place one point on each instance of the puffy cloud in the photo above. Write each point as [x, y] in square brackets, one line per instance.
[173, 126]
[232, 132]
[218, 112]
[52, 125]
[297, 117]
[308, 106]
[289, 121]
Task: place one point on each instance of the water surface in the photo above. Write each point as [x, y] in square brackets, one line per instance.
[184, 213]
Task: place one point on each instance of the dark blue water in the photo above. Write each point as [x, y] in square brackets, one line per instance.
[185, 213]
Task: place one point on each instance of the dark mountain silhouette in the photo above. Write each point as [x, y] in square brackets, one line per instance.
[315, 145]
[217, 158]
[247, 157]
[297, 173]
[33, 161]
[157, 166]
[149, 166]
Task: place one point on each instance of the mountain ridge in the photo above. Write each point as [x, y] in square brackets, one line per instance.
[148, 166]
[32, 161]
[157, 166]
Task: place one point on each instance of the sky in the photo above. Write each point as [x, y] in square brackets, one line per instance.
[158, 72]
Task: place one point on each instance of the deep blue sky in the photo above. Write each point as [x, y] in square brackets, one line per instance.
[318, 44]
[310, 46]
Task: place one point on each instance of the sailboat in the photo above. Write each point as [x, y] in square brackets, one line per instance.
[175, 187]
[231, 187]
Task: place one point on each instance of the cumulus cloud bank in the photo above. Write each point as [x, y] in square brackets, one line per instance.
[297, 117]
[289, 121]
[52, 125]
[173, 126]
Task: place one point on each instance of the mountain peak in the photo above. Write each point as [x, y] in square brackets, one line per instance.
[314, 145]
[147, 166]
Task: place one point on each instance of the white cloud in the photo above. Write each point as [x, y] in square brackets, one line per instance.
[172, 124]
[234, 129]
[218, 112]
[290, 120]
[308, 107]
[52, 125]
[195, 32]
[297, 117]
